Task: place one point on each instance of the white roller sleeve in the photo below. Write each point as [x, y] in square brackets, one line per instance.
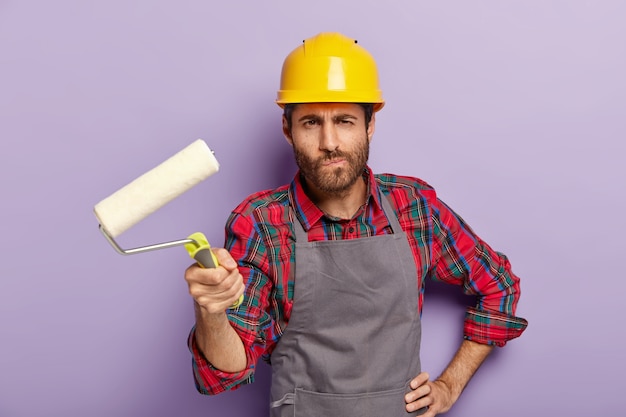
[151, 191]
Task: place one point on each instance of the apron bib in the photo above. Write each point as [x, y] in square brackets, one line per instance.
[352, 342]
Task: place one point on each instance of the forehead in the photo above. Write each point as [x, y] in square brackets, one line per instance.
[321, 109]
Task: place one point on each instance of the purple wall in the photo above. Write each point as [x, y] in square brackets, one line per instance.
[514, 111]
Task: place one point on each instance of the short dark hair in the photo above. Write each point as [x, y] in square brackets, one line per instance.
[368, 109]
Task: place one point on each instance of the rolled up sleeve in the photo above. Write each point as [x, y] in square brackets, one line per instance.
[462, 258]
[208, 379]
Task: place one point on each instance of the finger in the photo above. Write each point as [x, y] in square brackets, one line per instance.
[419, 380]
[219, 300]
[216, 302]
[193, 275]
[422, 402]
[420, 392]
[213, 292]
[191, 269]
[217, 281]
[206, 276]
[233, 285]
[418, 396]
[215, 289]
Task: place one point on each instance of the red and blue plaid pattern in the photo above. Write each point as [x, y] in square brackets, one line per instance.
[259, 236]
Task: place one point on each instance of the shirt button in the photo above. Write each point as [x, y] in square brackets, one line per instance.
[351, 229]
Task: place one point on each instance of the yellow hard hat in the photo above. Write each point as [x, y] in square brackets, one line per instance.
[330, 68]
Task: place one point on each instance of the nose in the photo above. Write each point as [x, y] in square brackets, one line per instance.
[329, 140]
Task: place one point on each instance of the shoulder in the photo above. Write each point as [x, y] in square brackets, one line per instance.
[260, 225]
[258, 205]
[405, 187]
[413, 199]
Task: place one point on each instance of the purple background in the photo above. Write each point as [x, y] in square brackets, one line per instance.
[513, 110]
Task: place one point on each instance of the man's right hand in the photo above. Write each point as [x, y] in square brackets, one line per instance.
[215, 289]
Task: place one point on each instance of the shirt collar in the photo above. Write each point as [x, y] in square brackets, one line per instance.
[309, 214]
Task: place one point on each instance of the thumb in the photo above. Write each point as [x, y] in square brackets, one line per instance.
[225, 259]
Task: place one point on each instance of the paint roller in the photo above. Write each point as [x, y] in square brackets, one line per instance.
[151, 191]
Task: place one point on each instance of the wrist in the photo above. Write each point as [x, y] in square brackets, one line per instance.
[453, 392]
[207, 319]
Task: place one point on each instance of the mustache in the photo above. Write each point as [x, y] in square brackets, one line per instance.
[336, 154]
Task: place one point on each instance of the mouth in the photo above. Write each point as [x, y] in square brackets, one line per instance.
[333, 162]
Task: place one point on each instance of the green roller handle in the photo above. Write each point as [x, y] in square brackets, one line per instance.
[202, 253]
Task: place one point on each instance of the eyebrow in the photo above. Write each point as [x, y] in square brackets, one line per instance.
[341, 116]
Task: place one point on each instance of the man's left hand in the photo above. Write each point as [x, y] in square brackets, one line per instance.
[435, 395]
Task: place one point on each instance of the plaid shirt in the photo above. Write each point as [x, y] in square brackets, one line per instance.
[259, 236]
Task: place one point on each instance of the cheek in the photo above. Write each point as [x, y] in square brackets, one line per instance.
[305, 142]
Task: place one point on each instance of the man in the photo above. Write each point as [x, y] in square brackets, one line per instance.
[332, 266]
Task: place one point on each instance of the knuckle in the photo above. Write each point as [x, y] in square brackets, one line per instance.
[211, 277]
[189, 273]
[195, 291]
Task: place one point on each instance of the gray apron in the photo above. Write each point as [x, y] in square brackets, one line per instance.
[352, 342]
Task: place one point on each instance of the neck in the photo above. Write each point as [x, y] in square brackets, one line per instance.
[342, 205]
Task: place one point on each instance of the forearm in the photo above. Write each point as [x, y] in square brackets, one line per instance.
[218, 341]
[463, 365]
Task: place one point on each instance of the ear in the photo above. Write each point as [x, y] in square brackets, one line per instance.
[287, 131]
[371, 127]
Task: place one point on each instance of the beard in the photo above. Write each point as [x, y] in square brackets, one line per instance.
[335, 181]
